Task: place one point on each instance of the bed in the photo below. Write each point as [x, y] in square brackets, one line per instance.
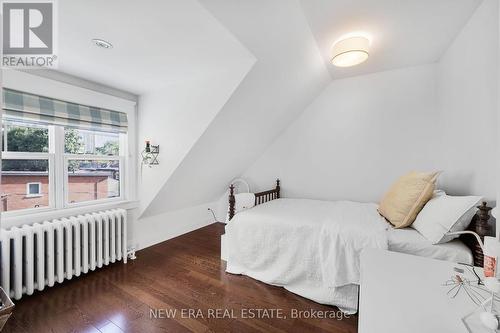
[312, 247]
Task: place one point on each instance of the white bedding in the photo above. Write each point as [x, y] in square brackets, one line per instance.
[410, 241]
[310, 247]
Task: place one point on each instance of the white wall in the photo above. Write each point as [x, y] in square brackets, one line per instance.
[175, 117]
[141, 232]
[82, 83]
[358, 135]
[158, 228]
[178, 109]
[176, 112]
[288, 75]
[468, 98]
[363, 132]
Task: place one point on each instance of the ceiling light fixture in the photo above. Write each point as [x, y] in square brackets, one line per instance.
[350, 51]
[102, 43]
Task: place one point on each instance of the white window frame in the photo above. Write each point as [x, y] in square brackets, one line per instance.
[58, 173]
[77, 91]
[34, 156]
[82, 157]
[34, 195]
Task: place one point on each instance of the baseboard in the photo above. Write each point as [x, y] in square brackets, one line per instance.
[159, 228]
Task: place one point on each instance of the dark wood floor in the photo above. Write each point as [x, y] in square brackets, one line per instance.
[182, 273]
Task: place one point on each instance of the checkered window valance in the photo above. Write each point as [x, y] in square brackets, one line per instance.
[24, 106]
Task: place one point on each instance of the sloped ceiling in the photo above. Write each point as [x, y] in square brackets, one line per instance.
[180, 61]
[219, 80]
[291, 42]
[402, 33]
[288, 74]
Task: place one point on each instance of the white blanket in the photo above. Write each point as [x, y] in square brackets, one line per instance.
[310, 247]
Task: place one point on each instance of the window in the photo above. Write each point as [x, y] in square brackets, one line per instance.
[25, 160]
[55, 166]
[92, 162]
[34, 189]
[24, 137]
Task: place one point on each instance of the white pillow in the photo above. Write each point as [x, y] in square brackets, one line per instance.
[445, 213]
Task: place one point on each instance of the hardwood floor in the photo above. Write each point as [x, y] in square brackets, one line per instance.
[182, 273]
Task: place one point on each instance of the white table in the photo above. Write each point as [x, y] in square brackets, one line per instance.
[404, 293]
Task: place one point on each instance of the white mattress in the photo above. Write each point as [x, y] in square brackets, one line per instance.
[410, 241]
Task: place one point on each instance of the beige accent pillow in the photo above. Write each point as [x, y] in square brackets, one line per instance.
[406, 197]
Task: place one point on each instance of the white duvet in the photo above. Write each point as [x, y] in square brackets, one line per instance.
[310, 247]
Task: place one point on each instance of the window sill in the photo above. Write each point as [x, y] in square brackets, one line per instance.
[33, 195]
[50, 214]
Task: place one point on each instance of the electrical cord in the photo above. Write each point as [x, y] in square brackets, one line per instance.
[479, 281]
[480, 242]
[213, 214]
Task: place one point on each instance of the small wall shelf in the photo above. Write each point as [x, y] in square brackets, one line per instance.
[151, 157]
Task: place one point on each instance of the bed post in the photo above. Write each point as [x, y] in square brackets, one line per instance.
[232, 202]
[278, 188]
[479, 225]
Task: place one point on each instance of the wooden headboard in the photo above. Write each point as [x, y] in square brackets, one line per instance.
[260, 197]
[479, 224]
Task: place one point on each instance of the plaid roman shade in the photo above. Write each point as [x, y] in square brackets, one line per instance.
[24, 106]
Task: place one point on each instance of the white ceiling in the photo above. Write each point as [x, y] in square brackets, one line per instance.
[403, 32]
[156, 43]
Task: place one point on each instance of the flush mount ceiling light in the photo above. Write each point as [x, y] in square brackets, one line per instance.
[350, 51]
[102, 43]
